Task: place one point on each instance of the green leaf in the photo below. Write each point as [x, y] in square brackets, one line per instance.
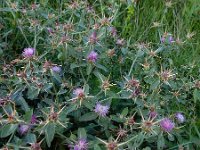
[88, 116]
[155, 84]
[97, 147]
[49, 133]
[33, 92]
[30, 138]
[160, 142]
[28, 115]
[82, 133]
[7, 129]
[125, 111]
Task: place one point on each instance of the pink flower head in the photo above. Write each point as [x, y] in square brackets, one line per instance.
[101, 110]
[120, 42]
[28, 52]
[23, 129]
[113, 31]
[167, 125]
[93, 38]
[171, 39]
[33, 119]
[92, 57]
[153, 114]
[79, 92]
[81, 144]
[180, 117]
[56, 69]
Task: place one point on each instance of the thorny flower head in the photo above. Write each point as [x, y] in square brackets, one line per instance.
[101, 110]
[79, 93]
[28, 52]
[93, 38]
[23, 129]
[56, 69]
[180, 118]
[81, 144]
[167, 125]
[92, 57]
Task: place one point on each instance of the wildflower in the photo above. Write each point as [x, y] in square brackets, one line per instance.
[28, 52]
[79, 93]
[101, 110]
[180, 117]
[56, 69]
[23, 129]
[120, 42]
[113, 31]
[93, 38]
[153, 114]
[171, 39]
[33, 119]
[92, 57]
[167, 125]
[81, 144]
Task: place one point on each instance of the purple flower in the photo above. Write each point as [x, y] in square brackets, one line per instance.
[56, 69]
[171, 40]
[33, 119]
[79, 92]
[93, 38]
[153, 114]
[167, 125]
[180, 117]
[101, 110]
[162, 39]
[81, 144]
[92, 57]
[50, 30]
[120, 42]
[113, 31]
[23, 129]
[28, 52]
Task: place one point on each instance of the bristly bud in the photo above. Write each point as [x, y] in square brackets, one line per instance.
[92, 57]
[35, 146]
[113, 31]
[112, 146]
[111, 53]
[93, 38]
[120, 42]
[79, 93]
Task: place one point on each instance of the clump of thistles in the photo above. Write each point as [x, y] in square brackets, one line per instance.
[167, 125]
[92, 57]
[81, 144]
[180, 118]
[101, 110]
[28, 52]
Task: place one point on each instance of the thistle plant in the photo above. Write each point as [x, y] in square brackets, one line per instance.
[78, 81]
